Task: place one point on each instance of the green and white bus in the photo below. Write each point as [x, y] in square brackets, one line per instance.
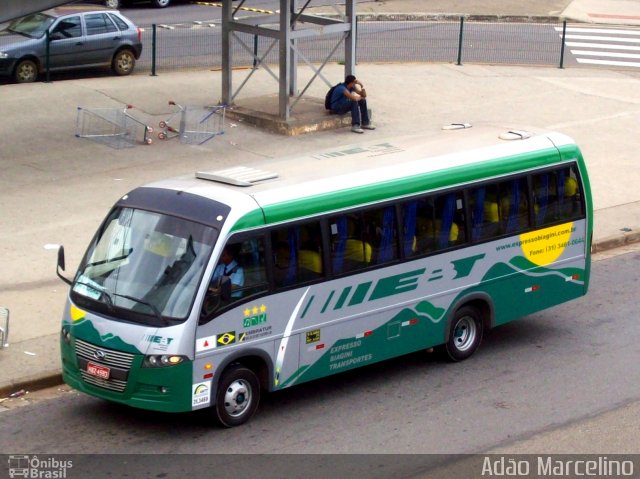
[338, 260]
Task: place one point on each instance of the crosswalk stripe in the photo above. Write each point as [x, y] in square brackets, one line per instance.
[605, 54]
[604, 39]
[599, 30]
[601, 45]
[594, 61]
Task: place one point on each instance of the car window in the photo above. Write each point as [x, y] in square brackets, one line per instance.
[32, 26]
[69, 27]
[122, 25]
[99, 23]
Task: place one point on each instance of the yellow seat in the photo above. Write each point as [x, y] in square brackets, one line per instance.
[356, 250]
[310, 260]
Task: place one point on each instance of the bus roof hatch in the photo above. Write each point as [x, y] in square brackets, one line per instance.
[237, 176]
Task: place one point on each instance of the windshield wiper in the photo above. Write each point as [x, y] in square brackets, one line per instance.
[108, 260]
[146, 303]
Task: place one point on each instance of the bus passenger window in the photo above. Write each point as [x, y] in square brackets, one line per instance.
[297, 256]
[557, 196]
[485, 216]
[380, 236]
[513, 206]
[433, 223]
[499, 208]
[350, 246]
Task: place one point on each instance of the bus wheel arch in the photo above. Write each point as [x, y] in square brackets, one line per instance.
[239, 389]
[466, 327]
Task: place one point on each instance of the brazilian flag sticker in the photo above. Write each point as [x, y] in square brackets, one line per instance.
[226, 338]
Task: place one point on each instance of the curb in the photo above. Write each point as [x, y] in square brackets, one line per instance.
[616, 241]
[31, 383]
[54, 378]
[455, 17]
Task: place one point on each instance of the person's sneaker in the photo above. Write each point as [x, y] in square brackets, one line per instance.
[369, 126]
[357, 129]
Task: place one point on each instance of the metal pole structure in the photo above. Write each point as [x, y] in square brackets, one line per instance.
[293, 70]
[226, 54]
[350, 41]
[564, 34]
[285, 59]
[255, 50]
[154, 46]
[460, 41]
[47, 59]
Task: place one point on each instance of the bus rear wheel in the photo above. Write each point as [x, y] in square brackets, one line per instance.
[465, 334]
[237, 397]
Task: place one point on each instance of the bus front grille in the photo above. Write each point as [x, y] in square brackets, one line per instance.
[108, 357]
[112, 384]
[118, 364]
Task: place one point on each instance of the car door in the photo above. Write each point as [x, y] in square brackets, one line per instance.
[101, 40]
[66, 43]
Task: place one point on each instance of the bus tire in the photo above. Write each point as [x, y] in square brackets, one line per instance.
[237, 397]
[465, 334]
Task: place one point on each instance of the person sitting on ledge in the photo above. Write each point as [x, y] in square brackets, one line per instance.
[351, 96]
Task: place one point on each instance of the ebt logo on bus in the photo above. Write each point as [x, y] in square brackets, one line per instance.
[543, 247]
[392, 285]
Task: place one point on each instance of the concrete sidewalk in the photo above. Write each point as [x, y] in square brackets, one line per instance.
[56, 188]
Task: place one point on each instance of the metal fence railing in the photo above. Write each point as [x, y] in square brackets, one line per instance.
[199, 45]
[192, 46]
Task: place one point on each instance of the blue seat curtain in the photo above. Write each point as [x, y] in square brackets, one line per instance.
[386, 241]
[514, 207]
[542, 198]
[478, 213]
[340, 244]
[293, 238]
[409, 221]
[447, 220]
[560, 186]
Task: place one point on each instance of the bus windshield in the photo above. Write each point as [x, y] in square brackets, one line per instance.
[144, 266]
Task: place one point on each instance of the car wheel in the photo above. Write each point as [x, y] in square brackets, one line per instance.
[123, 62]
[26, 71]
[115, 4]
[237, 397]
[160, 3]
[465, 334]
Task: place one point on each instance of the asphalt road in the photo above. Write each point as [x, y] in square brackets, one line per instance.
[553, 368]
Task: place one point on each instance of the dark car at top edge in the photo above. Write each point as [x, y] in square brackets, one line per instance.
[68, 38]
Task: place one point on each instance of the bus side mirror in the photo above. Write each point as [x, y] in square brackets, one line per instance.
[225, 288]
[60, 265]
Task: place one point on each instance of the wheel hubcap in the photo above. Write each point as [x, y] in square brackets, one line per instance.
[464, 334]
[26, 72]
[237, 398]
[124, 63]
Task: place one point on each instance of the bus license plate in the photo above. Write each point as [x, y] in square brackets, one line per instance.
[98, 371]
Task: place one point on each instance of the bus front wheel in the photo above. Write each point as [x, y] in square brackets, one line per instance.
[237, 397]
[465, 334]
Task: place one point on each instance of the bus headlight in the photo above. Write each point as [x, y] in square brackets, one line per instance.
[162, 360]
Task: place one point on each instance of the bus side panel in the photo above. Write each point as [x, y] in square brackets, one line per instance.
[334, 326]
[522, 274]
[357, 342]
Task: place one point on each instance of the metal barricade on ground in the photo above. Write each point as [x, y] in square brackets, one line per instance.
[4, 327]
[114, 127]
[193, 124]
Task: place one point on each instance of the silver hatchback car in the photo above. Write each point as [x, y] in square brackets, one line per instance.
[77, 38]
